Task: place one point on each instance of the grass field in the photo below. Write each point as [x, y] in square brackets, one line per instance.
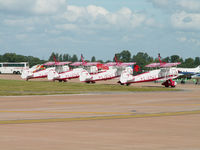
[18, 87]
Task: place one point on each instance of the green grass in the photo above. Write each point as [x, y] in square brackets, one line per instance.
[17, 87]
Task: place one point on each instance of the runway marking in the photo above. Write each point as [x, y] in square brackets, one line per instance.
[175, 104]
[61, 112]
[100, 117]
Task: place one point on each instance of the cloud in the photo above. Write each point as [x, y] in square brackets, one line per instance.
[99, 16]
[36, 7]
[160, 3]
[177, 5]
[67, 27]
[189, 5]
[189, 40]
[185, 20]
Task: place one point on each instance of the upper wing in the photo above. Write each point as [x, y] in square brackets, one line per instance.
[126, 64]
[162, 64]
[91, 63]
[76, 64]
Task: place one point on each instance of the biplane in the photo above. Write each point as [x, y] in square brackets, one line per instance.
[41, 71]
[165, 72]
[74, 73]
[110, 70]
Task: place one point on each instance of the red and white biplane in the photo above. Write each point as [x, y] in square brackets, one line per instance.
[41, 71]
[73, 73]
[110, 70]
[166, 72]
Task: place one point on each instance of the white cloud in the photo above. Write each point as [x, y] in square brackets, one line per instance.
[21, 36]
[177, 5]
[19, 22]
[182, 39]
[67, 27]
[48, 6]
[73, 13]
[95, 16]
[185, 20]
[160, 3]
[96, 11]
[38, 7]
[190, 5]
[189, 40]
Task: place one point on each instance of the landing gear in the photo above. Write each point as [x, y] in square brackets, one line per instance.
[92, 82]
[169, 82]
[62, 80]
[182, 82]
[120, 83]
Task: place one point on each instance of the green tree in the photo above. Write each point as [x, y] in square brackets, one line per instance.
[66, 57]
[60, 58]
[142, 59]
[188, 63]
[197, 61]
[175, 58]
[51, 58]
[124, 56]
[93, 59]
[74, 58]
[166, 59]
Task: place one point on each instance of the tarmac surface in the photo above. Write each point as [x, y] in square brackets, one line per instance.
[103, 121]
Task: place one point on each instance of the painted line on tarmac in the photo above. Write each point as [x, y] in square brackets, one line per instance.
[100, 117]
[61, 112]
[175, 104]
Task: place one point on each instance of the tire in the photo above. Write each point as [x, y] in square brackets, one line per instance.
[18, 72]
[14, 72]
[0, 72]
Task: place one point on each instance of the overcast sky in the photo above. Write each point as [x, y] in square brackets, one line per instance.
[100, 27]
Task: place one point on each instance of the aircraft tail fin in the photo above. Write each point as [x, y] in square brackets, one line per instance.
[136, 68]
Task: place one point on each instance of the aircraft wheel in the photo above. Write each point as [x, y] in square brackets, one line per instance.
[60, 80]
[92, 82]
[127, 84]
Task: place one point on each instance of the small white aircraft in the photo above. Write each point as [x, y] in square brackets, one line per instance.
[73, 73]
[111, 70]
[189, 71]
[197, 77]
[166, 72]
[40, 71]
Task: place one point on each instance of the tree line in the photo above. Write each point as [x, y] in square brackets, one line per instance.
[140, 58]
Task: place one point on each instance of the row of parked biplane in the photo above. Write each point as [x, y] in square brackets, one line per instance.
[90, 72]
